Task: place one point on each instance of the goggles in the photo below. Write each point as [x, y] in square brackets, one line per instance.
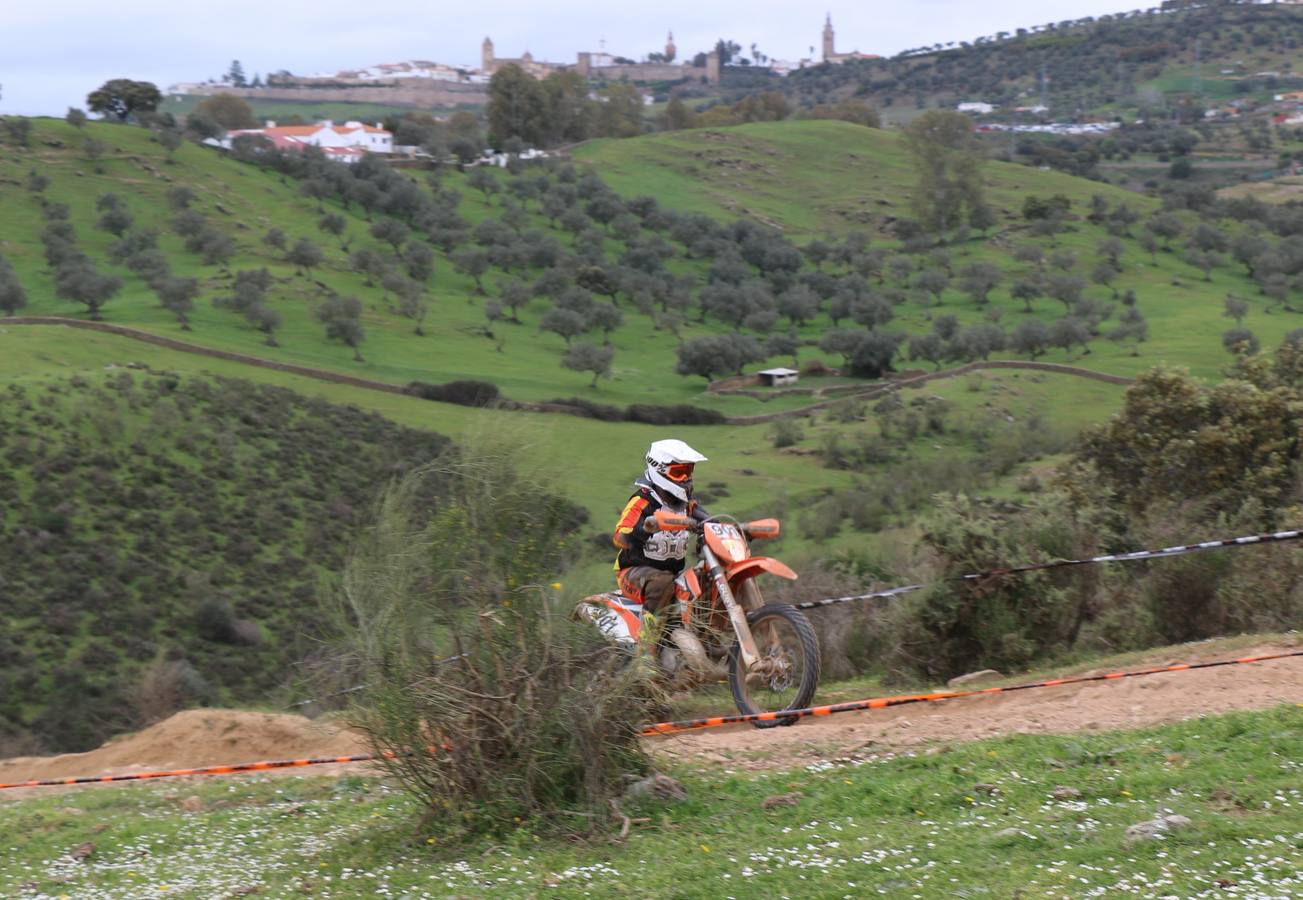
[679, 472]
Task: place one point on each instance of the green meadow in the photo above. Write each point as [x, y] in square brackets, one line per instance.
[1029, 815]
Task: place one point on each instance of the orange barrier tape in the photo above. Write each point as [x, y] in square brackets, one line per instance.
[665, 728]
[207, 770]
[884, 702]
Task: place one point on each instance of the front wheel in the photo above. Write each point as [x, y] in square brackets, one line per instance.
[787, 672]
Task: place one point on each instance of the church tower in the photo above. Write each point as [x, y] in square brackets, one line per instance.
[486, 56]
[829, 40]
[670, 50]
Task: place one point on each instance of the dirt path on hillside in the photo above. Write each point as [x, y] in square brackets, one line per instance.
[204, 737]
[526, 406]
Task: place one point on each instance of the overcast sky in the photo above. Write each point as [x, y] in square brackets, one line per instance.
[54, 52]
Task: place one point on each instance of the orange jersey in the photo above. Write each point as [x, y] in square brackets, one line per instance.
[660, 550]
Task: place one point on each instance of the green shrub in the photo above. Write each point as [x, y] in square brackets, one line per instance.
[215, 621]
[1002, 622]
[590, 410]
[679, 414]
[463, 393]
[535, 719]
[786, 433]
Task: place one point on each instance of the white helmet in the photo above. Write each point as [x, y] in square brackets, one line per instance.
[669, 468]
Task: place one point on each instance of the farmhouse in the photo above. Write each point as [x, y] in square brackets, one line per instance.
[346, 143]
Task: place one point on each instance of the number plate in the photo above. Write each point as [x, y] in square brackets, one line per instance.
[729, 539]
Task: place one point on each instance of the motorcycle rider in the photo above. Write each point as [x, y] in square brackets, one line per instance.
[648, 562]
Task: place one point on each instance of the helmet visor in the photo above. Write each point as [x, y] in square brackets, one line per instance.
[679, 472]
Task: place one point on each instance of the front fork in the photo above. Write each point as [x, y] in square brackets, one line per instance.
[736, 614]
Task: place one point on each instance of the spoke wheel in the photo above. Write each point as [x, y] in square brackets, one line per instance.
[787, 672]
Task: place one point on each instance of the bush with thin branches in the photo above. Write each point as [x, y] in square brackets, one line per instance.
[534, 716]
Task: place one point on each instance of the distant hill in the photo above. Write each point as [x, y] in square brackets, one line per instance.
[1128, 61]
[163, 541]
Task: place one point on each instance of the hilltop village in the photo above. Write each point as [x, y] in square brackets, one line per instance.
[431, 83]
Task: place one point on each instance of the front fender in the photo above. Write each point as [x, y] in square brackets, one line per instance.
[750, 568]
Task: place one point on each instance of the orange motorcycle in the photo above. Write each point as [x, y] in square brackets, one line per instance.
[718, 627]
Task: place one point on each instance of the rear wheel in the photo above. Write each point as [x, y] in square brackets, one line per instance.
[787, 672]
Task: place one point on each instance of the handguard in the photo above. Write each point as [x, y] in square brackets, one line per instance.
[668, 521]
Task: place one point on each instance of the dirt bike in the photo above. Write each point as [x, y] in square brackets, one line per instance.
[718, 627]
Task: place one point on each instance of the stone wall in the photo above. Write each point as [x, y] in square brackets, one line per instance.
[645, 73]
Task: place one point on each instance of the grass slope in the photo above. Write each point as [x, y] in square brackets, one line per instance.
[976, 820]
[796, 174]
[244, 202]
[816, 178]
[285, 111]
[155, 520]
[811, 178]
[756, 476]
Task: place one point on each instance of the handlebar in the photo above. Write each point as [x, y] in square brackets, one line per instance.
[664, 520]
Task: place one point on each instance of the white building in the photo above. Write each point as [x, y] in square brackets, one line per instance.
[347, 142]
[977, 108]
[778, 377]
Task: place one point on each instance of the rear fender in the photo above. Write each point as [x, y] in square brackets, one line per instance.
[749, 568]
[616, 616]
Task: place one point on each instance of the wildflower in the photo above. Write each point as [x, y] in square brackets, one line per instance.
[556, 586]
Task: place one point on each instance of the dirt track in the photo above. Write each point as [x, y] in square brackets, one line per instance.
[212, 737]
[1096, 706]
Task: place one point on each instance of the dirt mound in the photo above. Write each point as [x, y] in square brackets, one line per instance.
[1095, 706]
[193, 739]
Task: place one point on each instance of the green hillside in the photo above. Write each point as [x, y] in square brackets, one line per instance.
[746, 461]
[163, 541]
[795, 174]
[745, 219]
[286, 111]
[1129, 61]
[809, 178]
[817, 179]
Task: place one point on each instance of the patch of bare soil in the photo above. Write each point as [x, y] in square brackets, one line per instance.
[194, 739]
[1095, 706]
